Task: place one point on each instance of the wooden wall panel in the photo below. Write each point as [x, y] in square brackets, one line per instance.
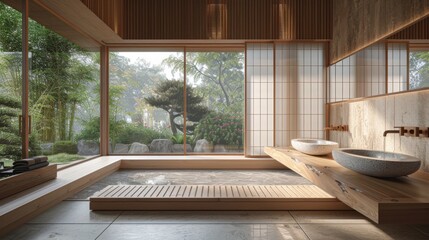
[360, 23]
[238, 19]
[419, 31]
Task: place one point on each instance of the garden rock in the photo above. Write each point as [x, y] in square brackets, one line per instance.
[47, 148]
[138, 148]
[220, 148]
[121, 148]
[87, 148]
[179, 148]
[203, 145]
[161, 145]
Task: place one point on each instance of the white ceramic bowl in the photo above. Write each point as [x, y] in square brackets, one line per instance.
[314, 146]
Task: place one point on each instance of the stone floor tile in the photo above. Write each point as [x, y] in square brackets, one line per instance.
[75, 212]
[329, 217]
[267, 217]
[203, 232]
[362, 231]
[57, 232]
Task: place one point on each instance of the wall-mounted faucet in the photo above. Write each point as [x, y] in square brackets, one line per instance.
[341, 128]
[408, 131]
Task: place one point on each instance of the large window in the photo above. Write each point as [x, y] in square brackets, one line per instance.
[217, 80]
[64, 97]
[149, 91]
[419, 68]
[63, 94]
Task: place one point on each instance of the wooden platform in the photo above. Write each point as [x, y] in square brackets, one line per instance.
[20, 182]
[214, 197]
[396, 200]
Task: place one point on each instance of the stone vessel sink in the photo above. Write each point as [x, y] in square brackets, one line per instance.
[376, 163]
[314, 146]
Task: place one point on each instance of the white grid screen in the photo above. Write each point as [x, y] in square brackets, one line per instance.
[397, 70]
[300, 92]
[364, 73]
[259, 97]
[292, 91]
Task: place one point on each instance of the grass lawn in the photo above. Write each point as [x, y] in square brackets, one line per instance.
[60, 158]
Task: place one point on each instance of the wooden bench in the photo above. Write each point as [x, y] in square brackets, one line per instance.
[397, 200]
[214, 197]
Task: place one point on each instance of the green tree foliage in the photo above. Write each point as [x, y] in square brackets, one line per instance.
[60, 78]
[168, 95]
[130, 82]
[419, 69]
[10, 141]
[218, 75]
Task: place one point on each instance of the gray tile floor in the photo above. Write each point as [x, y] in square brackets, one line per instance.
[72, 219]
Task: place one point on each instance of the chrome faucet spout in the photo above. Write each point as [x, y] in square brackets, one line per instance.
[390, 131]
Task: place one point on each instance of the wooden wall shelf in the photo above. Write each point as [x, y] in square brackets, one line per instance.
[399, 200]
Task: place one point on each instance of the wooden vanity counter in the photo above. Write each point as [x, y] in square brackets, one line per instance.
[394, 200]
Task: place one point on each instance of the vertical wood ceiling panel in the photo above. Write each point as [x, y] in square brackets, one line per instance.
[237, 19]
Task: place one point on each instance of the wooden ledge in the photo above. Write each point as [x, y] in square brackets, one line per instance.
[400, 200]
[20, 182]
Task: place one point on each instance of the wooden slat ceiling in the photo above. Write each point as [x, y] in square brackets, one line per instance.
[93, 23]
[216, 19]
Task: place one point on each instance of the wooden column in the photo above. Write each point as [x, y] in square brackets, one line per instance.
[104, 101]
[25, 126]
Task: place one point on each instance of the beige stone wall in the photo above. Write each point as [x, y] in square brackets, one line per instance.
[369, 118]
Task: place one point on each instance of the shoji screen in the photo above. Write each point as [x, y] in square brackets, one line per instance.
[342, 84]
[300, 93]
[284, 101]
[371, 71]
[259, 98]
[361, 75]
[397, 70]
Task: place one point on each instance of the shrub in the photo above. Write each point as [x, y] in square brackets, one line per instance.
[65, 147]
[130, 133]
[219, 128]
[177, 139]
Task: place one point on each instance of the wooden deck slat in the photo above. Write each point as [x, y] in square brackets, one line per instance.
[146, 191]
[139, 191]
[213, 197]
[193, 191]
[133, 191]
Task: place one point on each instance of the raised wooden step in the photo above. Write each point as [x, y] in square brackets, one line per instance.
[214, 197]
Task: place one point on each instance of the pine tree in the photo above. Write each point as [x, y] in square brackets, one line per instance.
[168, 95]
[10, 141]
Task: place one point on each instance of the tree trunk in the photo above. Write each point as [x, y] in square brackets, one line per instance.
[72, 117]
[219, 79]
[61, 120]
[172, 124]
